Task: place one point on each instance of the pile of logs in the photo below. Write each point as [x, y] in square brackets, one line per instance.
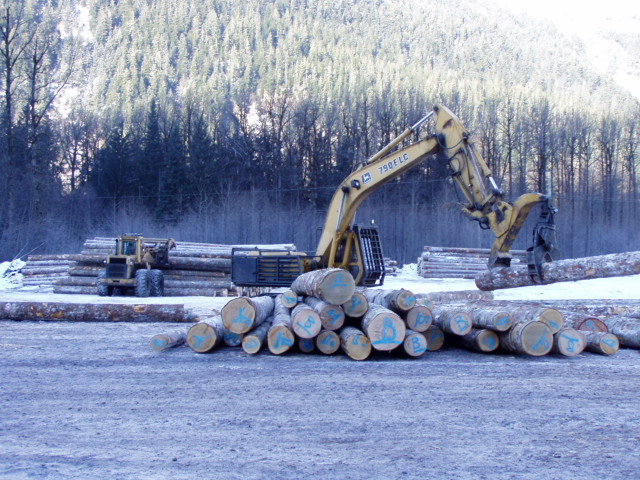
[195, 268]
[452, 262]
[323, 311]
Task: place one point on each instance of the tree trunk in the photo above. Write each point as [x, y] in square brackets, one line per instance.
[479, 339]
[384, 328]
[93, 312]
[530, 337]
[582, 321]
[550, 316]
[166, 340]
[398, 301]
[242, 314]
[280, 337]
[602, 342]
[333, 285]
[569, 342]
[487, 318]
[414, 344]
[613, 265]
[452, 320]
[254, 340]
[305, 321]
[356, 306]
[328, 342]
[626, 329]
[288, 298]
[419, 318]
[331, 316]
[435, 338]
[206, 335]
[428, 299]
[355, 344]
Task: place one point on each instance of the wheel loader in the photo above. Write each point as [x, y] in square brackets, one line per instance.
[136, 267]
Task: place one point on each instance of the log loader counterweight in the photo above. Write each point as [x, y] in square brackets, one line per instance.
[344, 245]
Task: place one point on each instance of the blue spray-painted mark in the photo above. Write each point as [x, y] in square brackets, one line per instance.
[389, 333]
[502, 320]
[232, 338]
[417, 345]
[422, 319]
[282, 341]
[542, 343]
[307, 325]
[462, 322]
[242, 318]
[158, 342]
[328, 340]
[573, 341]
[338, 281]
[252, 343]
[335, 315]
[490, 342]
[610, 342]
[198, 340]
[411, 301]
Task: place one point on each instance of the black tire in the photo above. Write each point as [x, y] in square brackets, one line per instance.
[104, 290]
[157, 283]
[142, 283]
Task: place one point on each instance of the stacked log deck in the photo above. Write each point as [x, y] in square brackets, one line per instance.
[455, 262]
[195, 268]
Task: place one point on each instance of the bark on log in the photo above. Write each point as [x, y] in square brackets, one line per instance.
[242, 314]
[53, 270]
[530, 337]
[333, 285]
[356, 306]
[414, 344]
[602, 342]
[613, 265]
[479, 339]
[93, 312]
[419, 318]
[331, 316]
[455, 321]
[435, 338]
[254, 340]
[431, 298]
[384, 328]
[354, 343]
[305, 321]
[569, 342]
[486, 318]
[582, 321]
[626, 329]
[550, 316]
[328, 342]
[206, 335]
[166, 340]
[398, 301]
[280, 337]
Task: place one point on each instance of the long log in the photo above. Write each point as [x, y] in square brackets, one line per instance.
[531, 337]
[613, 265]
[569, 342]
[356, 306]
[398, 301]
[455, 321]
[414, 344]
[496, 320]
[626, 329]
[384, 328]
[550, 316]
[601, 342]
[254, 340]
[479, 339]
[333, 285]
[93, 312]
[206, 335]
[582, 321]
[280, 337]
[419, 318]
[37, 270]
[354, 343]
[429, 299]
[242, 314]
[305, 321]
[328, 342]
[166, 340]
[435, 338]
[331, 316]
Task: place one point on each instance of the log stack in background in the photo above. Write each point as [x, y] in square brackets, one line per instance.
[454, 262]
[195, 268]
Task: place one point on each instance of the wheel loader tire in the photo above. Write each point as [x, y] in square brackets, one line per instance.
[157, 283]
[104, 290]
[142, 283]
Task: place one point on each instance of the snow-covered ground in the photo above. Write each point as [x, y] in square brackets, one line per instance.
[622, 288]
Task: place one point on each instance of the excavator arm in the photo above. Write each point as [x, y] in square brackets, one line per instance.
[339, 243]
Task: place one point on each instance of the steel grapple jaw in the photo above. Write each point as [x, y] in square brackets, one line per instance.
[544, 248]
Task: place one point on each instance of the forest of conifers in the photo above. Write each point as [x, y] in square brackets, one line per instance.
[234, 122]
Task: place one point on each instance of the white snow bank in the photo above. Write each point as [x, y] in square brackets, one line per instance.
[10, 274]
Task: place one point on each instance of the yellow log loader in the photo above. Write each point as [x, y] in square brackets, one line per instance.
[357, 249]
